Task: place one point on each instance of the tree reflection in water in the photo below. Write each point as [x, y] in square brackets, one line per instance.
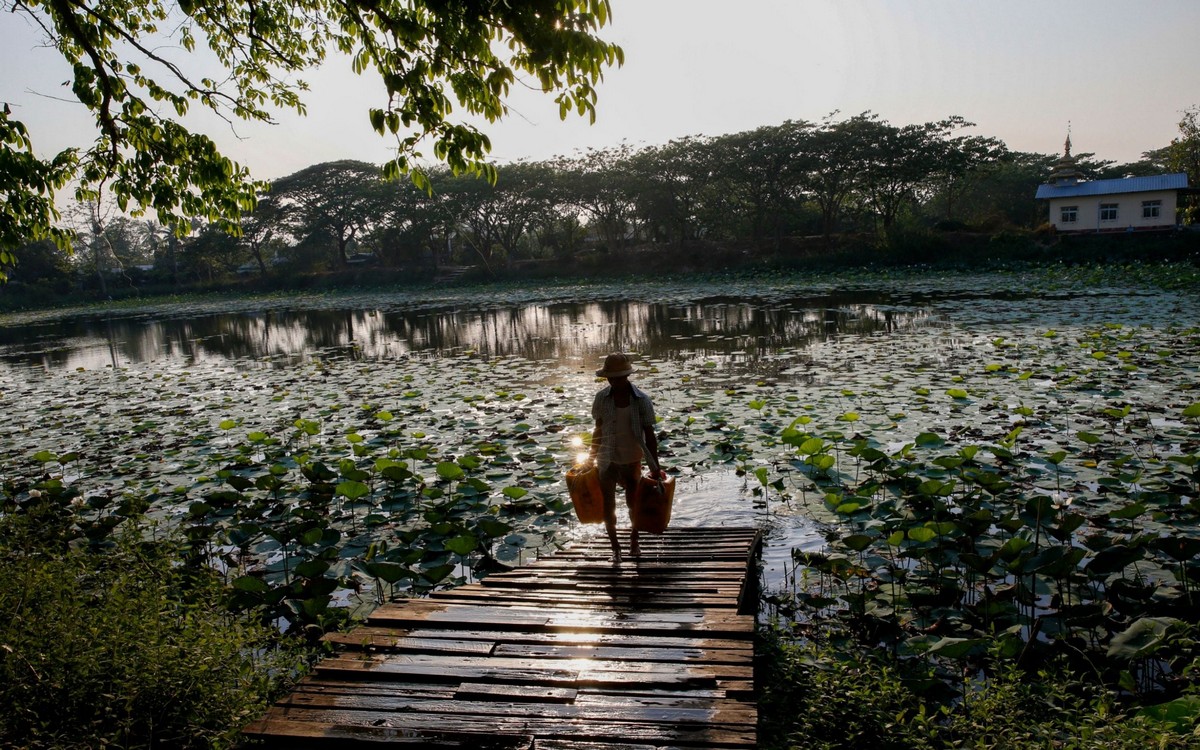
[572, 333]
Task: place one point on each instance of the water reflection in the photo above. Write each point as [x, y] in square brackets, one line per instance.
[565, 332]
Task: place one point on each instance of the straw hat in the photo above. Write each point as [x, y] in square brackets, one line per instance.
[616, 365]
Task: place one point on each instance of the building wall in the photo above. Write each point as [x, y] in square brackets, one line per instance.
[1129, 212]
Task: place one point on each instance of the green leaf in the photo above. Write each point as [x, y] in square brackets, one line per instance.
[311, 536]
[1140, 639]
[387, 570]
[437, 573]
[921, 534]
[312, 568]
[461, 544]
[811, 446]
[251, 584]
[1182, 714]
[352, 489]
[450, 471]
[857, 542]
[957, 648]
[1113, 559]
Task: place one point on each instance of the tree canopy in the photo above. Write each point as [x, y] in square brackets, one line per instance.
[432, 56]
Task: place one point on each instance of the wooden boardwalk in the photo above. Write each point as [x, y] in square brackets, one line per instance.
[566, 653]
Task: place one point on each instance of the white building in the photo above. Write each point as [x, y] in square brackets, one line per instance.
[1128, 204]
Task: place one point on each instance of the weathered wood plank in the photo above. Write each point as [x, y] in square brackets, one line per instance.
[696, 735]
[398, 662]
[388, 641]
[471, 691]
[479, 703]
[565, 653]
[561, 638]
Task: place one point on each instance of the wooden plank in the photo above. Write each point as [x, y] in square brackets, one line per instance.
[560, 638]
[446, 614]
[565, 653]
[479, 703]
[294, 734]
[472, 691]
[529, 673]
[390, 642]
[393, 722]
[398, 662]
[661, 653]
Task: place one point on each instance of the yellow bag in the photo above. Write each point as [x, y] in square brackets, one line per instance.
[583, 482]
[650, 503]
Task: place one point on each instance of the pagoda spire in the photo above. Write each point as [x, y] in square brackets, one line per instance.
[1066, 171]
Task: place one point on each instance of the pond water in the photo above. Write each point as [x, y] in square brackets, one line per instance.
[563, 332]
[727, 365]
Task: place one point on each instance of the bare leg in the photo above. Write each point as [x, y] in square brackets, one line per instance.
[608, 490]
[634, 549]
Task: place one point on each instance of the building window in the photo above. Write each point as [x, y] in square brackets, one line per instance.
[1070, 215]
[1108, 212]
[1151, 209]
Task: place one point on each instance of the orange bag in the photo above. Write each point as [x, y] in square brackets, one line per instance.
[650, 503]
[583, 482]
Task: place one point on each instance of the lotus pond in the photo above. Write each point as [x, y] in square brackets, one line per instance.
[949, 463]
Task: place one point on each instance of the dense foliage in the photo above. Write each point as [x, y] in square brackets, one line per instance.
[429, 56]
[117, 646]
[864, 698]
[858, 190]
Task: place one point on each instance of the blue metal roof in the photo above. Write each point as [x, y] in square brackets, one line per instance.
[1121, 185]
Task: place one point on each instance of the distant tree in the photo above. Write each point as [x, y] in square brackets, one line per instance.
[42, 261]
[1144, 167]
[560, 233]
[1182, 155]
[413, 227]
[834, 162]
[210, 254]
[958, 162]
[259, 229]
[672, 184]
[428, 55]
[1003, 194]
[493, 220]
[760, 171]
[90, 220]
[600, 184]
[899, 164]
[340, 201]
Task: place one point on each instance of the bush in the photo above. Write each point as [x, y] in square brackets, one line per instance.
[819, 698]
[123, 648]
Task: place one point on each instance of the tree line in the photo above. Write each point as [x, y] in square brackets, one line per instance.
[759, 190]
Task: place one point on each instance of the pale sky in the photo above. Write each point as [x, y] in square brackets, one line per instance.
[1119, 71]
